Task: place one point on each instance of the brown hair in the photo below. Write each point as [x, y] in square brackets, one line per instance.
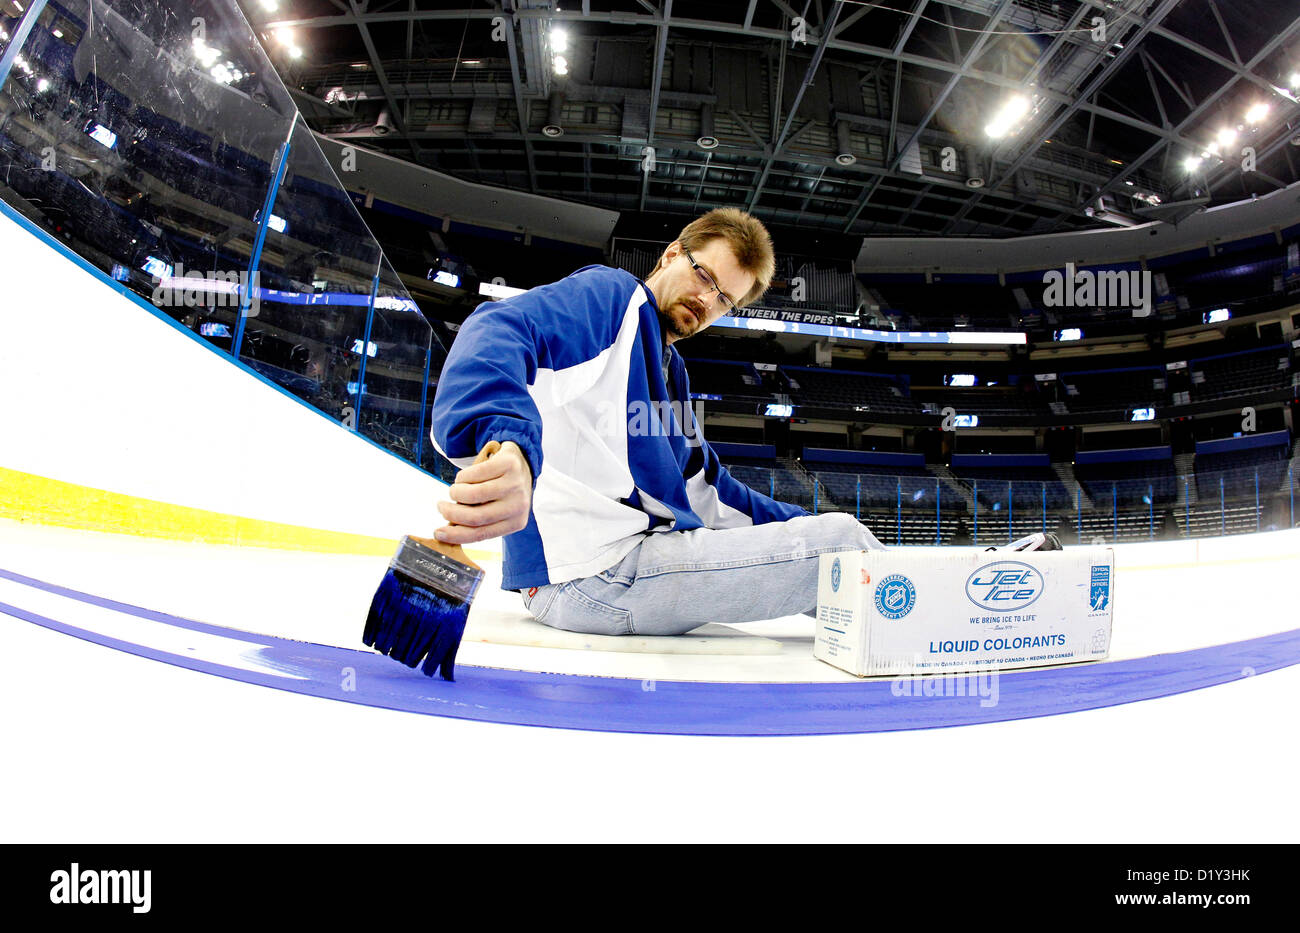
[748, 239]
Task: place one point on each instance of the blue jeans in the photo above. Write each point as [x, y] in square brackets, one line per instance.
[677, 581]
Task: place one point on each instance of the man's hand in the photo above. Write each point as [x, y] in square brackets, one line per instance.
[490, 499]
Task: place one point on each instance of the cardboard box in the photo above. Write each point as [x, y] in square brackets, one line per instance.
[899, 612]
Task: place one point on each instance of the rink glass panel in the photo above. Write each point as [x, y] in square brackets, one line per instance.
[316, 274]
[145, 137]
[119, 143]
[393, 410]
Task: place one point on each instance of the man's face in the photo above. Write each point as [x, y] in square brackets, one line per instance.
[688, 300]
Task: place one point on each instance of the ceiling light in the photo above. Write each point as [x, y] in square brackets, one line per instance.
[295, 52]
[1007, 118]
[1192, 163]
[559, 40]
[1257, 113]
[1295, 80]
[561, 65]
[285, 35]
[1227, 136]
[270, 5]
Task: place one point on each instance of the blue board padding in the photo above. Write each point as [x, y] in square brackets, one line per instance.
[615, 704]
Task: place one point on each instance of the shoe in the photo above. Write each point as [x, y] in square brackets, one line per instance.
[1038, 541]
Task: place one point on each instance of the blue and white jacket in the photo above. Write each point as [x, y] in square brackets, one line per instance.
[574, 373]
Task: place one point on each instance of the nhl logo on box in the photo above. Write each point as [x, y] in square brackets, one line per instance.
[895, 597]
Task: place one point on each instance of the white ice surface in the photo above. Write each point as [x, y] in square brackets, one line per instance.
[1169, 597]
[104, 746]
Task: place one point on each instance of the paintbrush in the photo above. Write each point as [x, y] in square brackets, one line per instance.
[422, 604]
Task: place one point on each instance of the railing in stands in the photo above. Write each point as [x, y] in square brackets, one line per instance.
[921, 508]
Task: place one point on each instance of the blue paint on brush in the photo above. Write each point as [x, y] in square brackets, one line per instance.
[412, 624]
[422, 604]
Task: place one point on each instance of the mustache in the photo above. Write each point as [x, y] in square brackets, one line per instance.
[695, 308]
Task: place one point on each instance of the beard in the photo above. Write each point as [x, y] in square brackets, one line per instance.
[681, 324]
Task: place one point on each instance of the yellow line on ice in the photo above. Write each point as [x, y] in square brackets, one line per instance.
[26, 497]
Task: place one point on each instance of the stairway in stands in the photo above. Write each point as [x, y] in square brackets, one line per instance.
[806, 481]
[1065, 473]
[954, 482]
[1185, 480]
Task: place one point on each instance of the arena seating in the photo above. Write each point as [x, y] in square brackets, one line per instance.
[1127, 476]
[1119, 390]
[1237, 462]
[1238, 374]
[1029, 476]
[996, 402]
[1129, 483]
[833, 388]
[880, 486]
[884, 480]
[725, 378]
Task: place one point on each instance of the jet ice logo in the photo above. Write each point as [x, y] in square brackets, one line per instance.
[1006, 586]
[87, 886]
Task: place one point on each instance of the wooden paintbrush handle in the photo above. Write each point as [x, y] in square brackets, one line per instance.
[455, 551]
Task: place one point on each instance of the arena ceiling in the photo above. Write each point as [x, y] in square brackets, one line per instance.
[907, 117]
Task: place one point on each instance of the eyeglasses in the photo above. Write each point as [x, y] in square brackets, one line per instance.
[724, 302]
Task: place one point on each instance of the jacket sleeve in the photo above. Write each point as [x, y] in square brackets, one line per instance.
[483, 392]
